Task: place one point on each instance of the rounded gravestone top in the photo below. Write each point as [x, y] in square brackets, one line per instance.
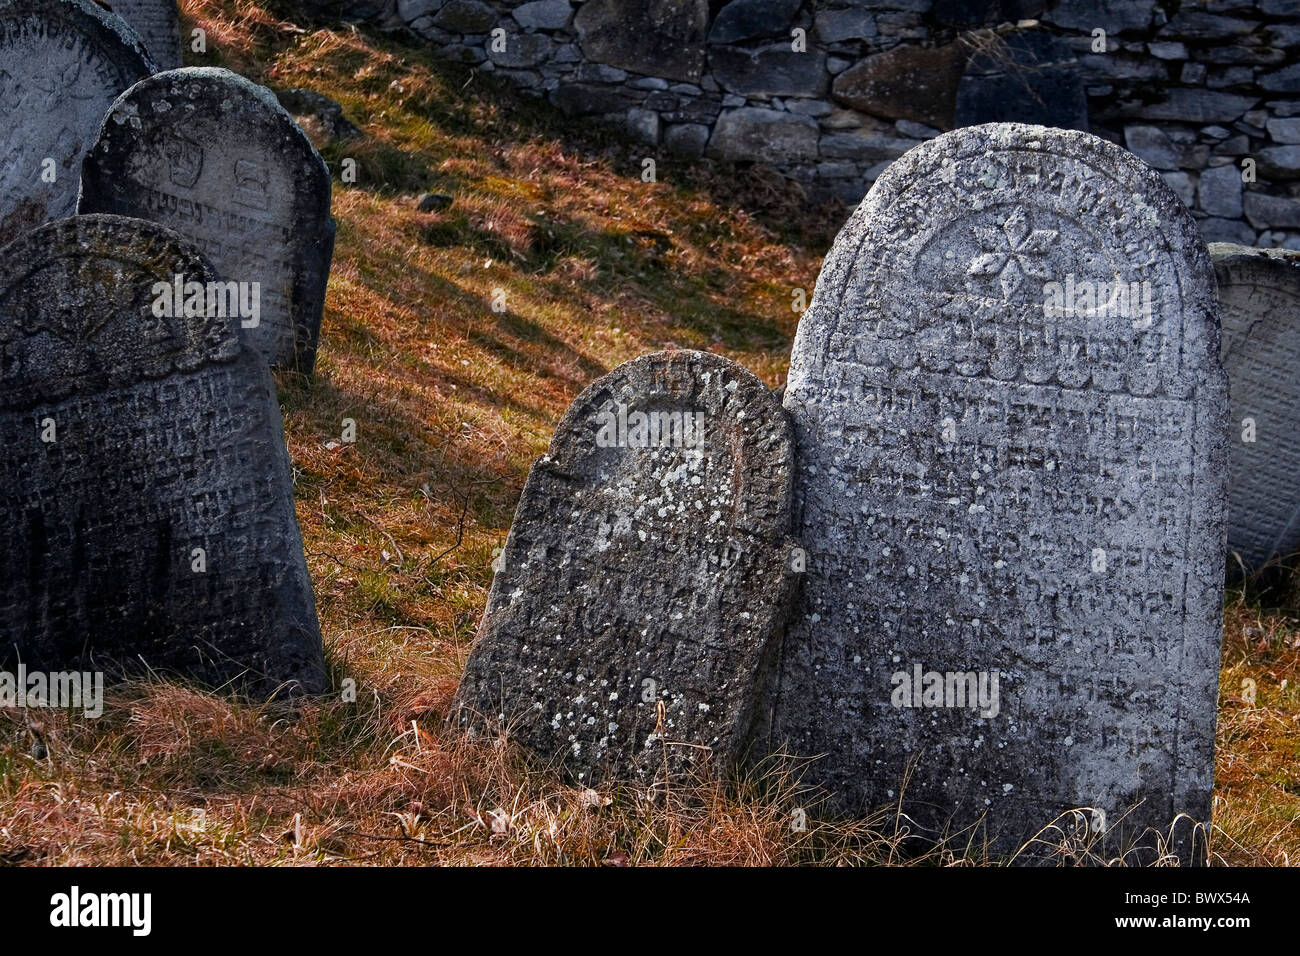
[647, 567]
[1259, 308]
[975, 225]
[217, 158]
[740, 423]
[79, 309]
[62, 62]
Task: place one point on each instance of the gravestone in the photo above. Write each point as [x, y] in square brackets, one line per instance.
[1028, 76]
[638, 603]
[62, 63]
[1009, 417]
[1259, 308]
[158, 23]
[150, 517]
[217, 158]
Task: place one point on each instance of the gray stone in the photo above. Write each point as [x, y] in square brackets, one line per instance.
[1233, 146]
[907, 82]
[1117, 66]
[1193, 74]
[1241, 76]
[466, 16]
[599, 73]
[154, 526]
[655, 37]
[1182, 185]
[686, 139]
[1279, 162]
[1284, 130]
[994, 481]
[814, 108]
[410, 11]
[648, 83]
[62, 63]
[916, 130]
[1259, 307]
[1199, 106]
[1152, 145]
[543, 14]
[643, 125]
[1166, 50]
[1214, 229]
[1113, 16]
[772, 71]
[634, 621]
[743, 20]
[1286, 80]
[836, 26]
[217, 158]
[864, 147]
[772, 136]
[522, 50]
[1220, 192]
[1199, 26]
[158, 24]
[1027, 76]
[582, 99]
[1264, 211]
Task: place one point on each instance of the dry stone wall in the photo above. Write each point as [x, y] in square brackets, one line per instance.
[832, 91]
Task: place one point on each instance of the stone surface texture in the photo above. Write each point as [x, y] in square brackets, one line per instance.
[985, 485]
[219, 160]
[635, 615]
[132, 441]
[159, 26]
[1259, 307]
[62, 63]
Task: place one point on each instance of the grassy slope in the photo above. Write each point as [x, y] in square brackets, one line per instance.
[452, 400]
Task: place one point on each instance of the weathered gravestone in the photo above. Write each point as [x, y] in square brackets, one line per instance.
[158, 23]
[145, 482]
[1259, 308]
[62, 62]
[1009, 415]
[632, 623]
[217, 158]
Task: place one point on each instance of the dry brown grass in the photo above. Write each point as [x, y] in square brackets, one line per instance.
[452, 402]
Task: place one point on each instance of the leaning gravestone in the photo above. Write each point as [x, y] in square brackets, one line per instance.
[149, 510]
[638, 604]
[1009, 415]
[217, 158]
[1259, 307]
[62, 63]
[158, 23]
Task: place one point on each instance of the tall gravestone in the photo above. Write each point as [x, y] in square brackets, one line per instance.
[638, 604]
[217, 158]
[1259, 308]
[62, 63]
[159, 26]
[145, 482]
[1009, 415]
